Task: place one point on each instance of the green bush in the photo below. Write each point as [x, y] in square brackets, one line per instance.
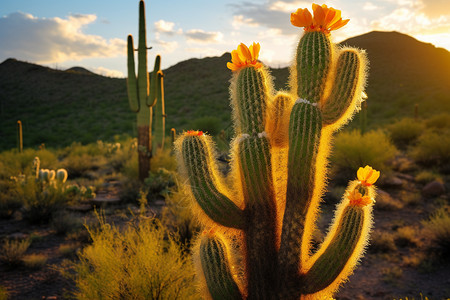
[142, 262]
[353, 150]
[433, 149]
[405, 132]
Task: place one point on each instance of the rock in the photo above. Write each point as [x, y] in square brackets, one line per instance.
[433, 189]
[391, 181]
[406, 177]
[18, 236]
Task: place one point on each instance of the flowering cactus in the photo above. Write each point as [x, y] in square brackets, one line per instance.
[262, 216]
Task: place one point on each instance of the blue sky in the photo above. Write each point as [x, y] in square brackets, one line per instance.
[92, 34]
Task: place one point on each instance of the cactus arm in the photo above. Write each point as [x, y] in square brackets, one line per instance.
[132, 88]
[160, 116]
[343, 245]
[313, 62]
[200, 172]
[278, 123]
[261, 232]
[154, 83]
[143, 78]
[345, 97]
[214, 261]
[304, 135]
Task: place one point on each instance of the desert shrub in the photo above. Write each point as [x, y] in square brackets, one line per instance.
[41, 199]
[13, 251]
[178, 217]
[63, 222]
[433, 149]
[35, 261]
[353, 150]
[405, 131]
[3, 293]
[425, 177]
[440, 121]
[382, 242]
[391, 275]
[68, 250]
[211, 125]
[438, 231]
[421, 298]
[143, 261]
[406, 237]
[13, 163]
[80, 165]
[10, 200]
[158, 184]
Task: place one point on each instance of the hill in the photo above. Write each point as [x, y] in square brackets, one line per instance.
[58, 107]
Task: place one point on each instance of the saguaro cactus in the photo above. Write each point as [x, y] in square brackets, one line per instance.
[261, 218]
[143, 94]
[19, 136]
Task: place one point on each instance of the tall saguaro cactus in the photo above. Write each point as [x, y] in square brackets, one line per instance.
[263, 216]
[143, 94]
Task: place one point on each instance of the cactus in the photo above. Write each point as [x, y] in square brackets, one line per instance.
[19, 136]
[143, 95]
[262, 216]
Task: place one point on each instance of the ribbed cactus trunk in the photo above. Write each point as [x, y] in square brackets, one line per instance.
[263, 216]
[19, 136]
[143, 94]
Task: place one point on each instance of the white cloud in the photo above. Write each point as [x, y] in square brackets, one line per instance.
[107, 72]
[370, 6]
[167, 47]
[167, 28]
[53, 40]
[240, 20]
[289, 7]
[201, 36]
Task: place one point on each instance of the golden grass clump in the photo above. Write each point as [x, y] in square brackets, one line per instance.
[143, 261]
[35, 261]
[13, 251]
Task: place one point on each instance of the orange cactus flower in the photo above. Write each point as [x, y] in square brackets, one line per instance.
[193, 133]
[356, 199]
[367, 176]
[244, 56]
[325, 19]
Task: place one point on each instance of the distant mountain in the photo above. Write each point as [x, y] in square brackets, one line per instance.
[58, 107]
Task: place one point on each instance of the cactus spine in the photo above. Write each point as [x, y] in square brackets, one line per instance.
[143, 93]
[266, 211]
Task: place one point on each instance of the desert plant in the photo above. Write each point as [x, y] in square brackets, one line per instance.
[405, 132]
[35, 261]
[142, 262]
[438, 231]
[258, 245]
[352, 149]
[19, 136]
[13, 251]
[3, 293]
[433, 149]
[143, 95]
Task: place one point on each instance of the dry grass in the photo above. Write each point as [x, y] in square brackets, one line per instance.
[35, 261]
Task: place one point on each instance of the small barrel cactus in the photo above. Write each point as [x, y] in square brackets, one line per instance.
[261, 218]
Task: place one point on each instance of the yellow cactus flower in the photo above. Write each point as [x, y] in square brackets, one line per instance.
[325, 19]
[244, 56]
[356, 199]
[367, 176]
[193, 133]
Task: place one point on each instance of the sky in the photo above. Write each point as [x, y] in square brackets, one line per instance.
[92, 33]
